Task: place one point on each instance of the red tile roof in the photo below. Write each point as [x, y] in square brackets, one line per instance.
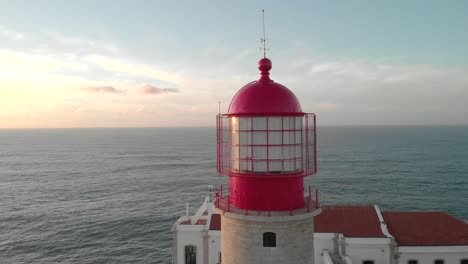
[352, 221]
[199, 222]
[215, 223]
[426, 228]
[408, 228]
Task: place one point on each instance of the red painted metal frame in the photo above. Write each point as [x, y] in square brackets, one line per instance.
[308, 146]
[265, 190]
[223, 201]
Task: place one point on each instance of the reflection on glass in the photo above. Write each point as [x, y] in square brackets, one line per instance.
[259, 138]
[267, 144]
[260, 166]
[275, 138]
[259, 123]
[275, 123]
[245, 123]
[259, 153]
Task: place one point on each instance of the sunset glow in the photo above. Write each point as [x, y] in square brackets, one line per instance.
[132, 65]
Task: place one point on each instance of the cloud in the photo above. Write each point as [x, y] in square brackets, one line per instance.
[364, 93]
[13, 62]
[103, 89]
[132, 68]
[10, 34]
[151, 89]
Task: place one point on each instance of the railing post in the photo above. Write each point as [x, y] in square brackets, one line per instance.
[221, 190]
[316, 199]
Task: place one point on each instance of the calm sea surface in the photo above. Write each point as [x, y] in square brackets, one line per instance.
[112, 195]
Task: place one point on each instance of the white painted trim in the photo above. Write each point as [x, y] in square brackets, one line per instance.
[200, 211]
[367, 240]
[324, 235]
[379, 214]
[432, 249]
[347, 260]
[383, 225]
[273, 218]
[326, 257]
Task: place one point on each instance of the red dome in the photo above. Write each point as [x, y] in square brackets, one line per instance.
[264, 96]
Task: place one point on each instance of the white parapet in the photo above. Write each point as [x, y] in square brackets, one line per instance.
[326, 257]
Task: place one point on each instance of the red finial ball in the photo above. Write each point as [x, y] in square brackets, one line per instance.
[264, 65]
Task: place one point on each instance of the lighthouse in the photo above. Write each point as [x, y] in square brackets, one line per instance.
[266, 145]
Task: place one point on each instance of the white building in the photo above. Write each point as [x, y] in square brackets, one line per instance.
[266, 145]
[343, 234]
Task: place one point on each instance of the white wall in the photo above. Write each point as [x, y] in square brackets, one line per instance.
[376, 249]
[427, 255]
[322, 241]
[214, 246]
[192, 236]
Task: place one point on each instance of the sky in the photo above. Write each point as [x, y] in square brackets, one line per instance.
[66, 64]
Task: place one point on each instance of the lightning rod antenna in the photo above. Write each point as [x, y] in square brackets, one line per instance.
[263, 40]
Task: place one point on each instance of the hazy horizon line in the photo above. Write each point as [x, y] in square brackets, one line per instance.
[214, 127]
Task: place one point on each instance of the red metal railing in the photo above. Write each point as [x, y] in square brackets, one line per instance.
[301, 156]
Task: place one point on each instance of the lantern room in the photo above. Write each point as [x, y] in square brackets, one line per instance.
[266, 144]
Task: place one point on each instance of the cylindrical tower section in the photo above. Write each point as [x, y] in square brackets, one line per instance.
[257, 239]
[266, 145]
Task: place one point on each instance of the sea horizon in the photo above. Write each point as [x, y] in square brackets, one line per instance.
[113, 194]
[214, 126]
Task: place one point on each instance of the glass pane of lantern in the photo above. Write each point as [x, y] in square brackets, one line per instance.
[245, 153]
[259, 123]
[275, 152]
[234, 123]
[259, 152]
[288, 123]
[259, 138]
[245, 123]
[235, 165]
[259, 166]
[275, 167]
[234, 152]
[274, 138]
[245, 138]
[298, 124]
[234, 137]
[298, 137]
[245, 165]
[299, 164]
[286, 152]
[275, 123]
[288, 137]
[298, 151]
[288, 166]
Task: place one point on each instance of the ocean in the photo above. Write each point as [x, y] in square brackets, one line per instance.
[112, 195]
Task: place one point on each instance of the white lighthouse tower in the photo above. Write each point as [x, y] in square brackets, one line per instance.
[266, 145]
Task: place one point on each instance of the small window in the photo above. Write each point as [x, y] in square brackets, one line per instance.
[412, 261]
[463, 261]
[368, 262]
[439, 261]
[269, 239]
[190, 254]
